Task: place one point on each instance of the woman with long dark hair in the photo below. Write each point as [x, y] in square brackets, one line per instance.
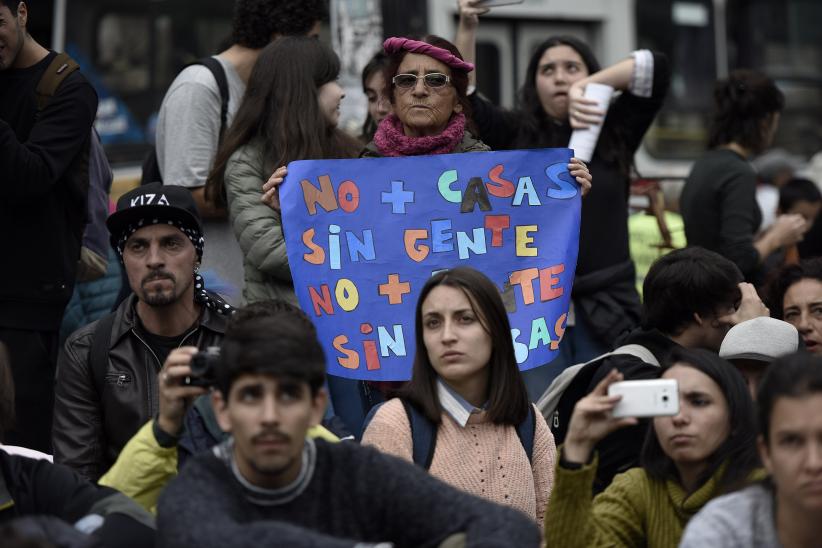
[718, 202]
[467, 385]
[289, 112]
[551, 104]
[707, 449]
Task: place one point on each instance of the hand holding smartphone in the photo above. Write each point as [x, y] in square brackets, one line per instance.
[648, 398]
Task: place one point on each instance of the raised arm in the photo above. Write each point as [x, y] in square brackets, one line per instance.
[466, 39]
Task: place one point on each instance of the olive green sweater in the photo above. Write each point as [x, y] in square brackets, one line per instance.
[633, 511]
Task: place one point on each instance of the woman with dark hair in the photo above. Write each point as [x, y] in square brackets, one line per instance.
[718, 202]
[289, 112]
[706, 450]
[551, 105]
[374, 87]
[795, 296]
[466, 382]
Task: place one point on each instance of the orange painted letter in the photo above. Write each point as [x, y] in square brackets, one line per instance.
[415, 252]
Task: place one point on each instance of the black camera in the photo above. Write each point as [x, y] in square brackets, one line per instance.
[204, 367]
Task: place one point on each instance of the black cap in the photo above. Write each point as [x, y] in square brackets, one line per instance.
[154, 201]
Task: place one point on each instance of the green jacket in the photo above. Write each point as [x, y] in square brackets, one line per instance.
[258, 228]
[634, 510]
[468, 144]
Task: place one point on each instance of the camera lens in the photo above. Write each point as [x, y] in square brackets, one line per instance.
[665, 398]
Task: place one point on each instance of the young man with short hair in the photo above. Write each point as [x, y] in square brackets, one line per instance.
[786, 510]
[270, 485]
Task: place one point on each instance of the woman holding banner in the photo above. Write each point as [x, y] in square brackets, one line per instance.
[428, 81]
[289, 112]
[552, 104]
[465, 414]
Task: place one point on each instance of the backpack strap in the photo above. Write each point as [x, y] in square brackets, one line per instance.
[218, 71]
[423, 432]
[100, 347]
[526, 431]
[371, 414]
[60, 67]
[423, 435]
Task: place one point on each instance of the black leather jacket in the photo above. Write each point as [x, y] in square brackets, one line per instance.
[90, 429]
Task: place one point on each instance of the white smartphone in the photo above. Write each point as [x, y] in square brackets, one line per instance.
[492, 3]
[650, 398]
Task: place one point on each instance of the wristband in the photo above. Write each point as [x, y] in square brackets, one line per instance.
[164, 439]
[568, 465]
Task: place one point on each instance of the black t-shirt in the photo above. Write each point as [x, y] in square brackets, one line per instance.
[162, 346]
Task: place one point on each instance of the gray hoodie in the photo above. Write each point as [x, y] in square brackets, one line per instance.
[744, 519]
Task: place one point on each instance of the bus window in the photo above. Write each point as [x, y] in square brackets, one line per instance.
[488, 80]
[782, 39]
[684, 32]
[777, 37]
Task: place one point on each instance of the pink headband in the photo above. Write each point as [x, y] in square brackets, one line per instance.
[395, 44]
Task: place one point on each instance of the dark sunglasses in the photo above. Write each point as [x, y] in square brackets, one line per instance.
[431, 80]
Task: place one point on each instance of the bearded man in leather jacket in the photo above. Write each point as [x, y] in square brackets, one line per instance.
[105, 391]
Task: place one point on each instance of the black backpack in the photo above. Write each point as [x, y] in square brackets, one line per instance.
[424, 432]
[92, 169]
[151, 167]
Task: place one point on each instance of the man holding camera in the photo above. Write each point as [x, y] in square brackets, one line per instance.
[106, 386]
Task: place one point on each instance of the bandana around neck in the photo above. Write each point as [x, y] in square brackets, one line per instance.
[391, 140]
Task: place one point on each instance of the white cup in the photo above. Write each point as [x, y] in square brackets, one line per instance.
[584, 141]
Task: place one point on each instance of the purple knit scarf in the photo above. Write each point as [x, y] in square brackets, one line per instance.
[392, 141]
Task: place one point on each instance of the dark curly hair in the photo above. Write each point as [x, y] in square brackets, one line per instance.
[255, 21]
[781, 282]
[742, 102]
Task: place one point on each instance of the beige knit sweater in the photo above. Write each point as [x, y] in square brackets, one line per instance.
[483, 458]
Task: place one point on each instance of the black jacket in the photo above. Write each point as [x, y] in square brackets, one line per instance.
[90, 429]
[38, 488]
[42, 197]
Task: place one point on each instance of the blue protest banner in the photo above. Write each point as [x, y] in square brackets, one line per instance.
[363, 236]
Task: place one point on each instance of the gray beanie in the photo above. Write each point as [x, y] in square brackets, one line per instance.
[763, 339]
